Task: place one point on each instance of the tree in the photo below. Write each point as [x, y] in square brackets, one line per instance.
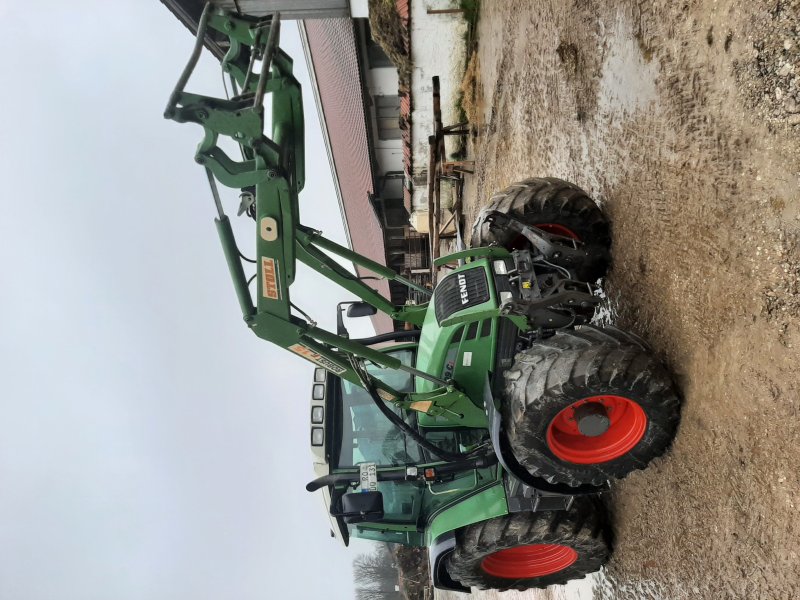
[370, 594]
[375, 575]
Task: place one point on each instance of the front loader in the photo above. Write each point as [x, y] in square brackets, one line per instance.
[487, 428]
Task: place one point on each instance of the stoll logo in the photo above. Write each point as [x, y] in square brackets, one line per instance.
[462, 288]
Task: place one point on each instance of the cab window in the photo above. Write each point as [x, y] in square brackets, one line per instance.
[367, 435]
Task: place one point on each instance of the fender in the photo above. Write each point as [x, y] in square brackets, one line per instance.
[438, 551]
[517, 472]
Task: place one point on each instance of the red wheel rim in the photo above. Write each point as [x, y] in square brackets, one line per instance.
[627, 424]
[524, 562]
[557, 229]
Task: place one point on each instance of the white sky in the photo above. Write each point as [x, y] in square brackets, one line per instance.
[150, 445]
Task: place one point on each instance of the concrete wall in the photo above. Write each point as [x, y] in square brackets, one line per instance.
[437, 48]
[383, 81]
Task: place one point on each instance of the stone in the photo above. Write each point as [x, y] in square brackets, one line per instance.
[784, 70]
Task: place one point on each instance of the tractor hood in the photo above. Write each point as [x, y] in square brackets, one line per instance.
[457, 342]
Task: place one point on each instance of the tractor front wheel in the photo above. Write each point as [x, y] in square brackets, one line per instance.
[557, 207]
[588, 405]
[531, 550]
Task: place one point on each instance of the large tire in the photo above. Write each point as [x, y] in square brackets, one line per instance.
[521, 550]
[558, 207]
[592, 367]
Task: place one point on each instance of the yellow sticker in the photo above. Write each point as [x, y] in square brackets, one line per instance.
[386, 396]
[316, 358]
[270, 284]
[422, 406]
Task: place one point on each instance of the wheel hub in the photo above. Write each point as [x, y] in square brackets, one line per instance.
[592, 419]
[596, 429]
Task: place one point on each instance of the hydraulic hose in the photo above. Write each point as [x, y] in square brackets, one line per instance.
[412, 433]
[400, 423]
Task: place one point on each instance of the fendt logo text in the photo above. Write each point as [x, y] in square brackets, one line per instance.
[462, 288]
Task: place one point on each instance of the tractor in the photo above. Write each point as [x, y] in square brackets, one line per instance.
[487, 427]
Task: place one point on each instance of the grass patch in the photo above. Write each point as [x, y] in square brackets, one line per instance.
[466, 104]
[472, 13]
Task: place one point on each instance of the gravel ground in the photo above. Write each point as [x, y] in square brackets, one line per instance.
[683, 120]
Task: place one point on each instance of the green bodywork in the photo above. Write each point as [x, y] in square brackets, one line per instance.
[454, 357]
[442, 515]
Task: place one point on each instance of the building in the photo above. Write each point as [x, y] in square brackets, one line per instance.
[356, 86]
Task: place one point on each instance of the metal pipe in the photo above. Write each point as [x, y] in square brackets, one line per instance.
[267, 60]
[195, 56]
[481, 462]
[231, 252]
[318, 240]
[353, 347]
[246, 83]
[423, 375]
[215, 192]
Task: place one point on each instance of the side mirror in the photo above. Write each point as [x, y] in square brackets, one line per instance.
[361, 309]
[359, 507]
[354, 309]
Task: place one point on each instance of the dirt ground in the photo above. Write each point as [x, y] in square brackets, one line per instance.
[683, 120]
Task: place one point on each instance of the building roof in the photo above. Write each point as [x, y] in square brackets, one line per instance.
[336, 75]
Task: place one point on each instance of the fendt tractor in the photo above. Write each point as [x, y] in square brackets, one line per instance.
[487, 426]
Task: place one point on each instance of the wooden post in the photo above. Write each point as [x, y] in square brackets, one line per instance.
[445, 11]
[435, 142]
[431, 177]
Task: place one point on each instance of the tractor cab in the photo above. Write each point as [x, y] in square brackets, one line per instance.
[379, 483]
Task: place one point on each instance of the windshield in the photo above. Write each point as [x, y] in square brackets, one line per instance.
[366, 434]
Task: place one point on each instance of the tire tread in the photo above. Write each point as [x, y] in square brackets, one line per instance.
[583, 527]
[574, 364]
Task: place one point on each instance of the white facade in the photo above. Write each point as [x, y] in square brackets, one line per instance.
[383, 82]
[359, 9]
[437, 48]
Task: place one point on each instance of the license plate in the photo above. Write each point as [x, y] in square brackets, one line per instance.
[369, 477]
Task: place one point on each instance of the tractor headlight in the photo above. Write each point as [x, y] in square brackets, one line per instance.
[318, 391]
[317, 436]
[317, 415]
[500, 267]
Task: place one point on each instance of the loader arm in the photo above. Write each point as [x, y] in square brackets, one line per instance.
[274, 168]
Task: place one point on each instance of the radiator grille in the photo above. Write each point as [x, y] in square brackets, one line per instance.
[460, 290]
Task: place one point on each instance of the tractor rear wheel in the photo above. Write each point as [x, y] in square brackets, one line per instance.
[531, 550]
[588, 405]
[556, 207]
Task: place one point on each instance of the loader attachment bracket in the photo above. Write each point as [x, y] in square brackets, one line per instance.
[562, 251]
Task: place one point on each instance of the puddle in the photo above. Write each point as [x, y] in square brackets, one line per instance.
[628, 79]
[606, 313]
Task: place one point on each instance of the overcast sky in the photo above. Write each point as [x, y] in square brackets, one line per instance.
[150, 445]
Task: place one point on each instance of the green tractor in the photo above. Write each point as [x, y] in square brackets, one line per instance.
[484, 431]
